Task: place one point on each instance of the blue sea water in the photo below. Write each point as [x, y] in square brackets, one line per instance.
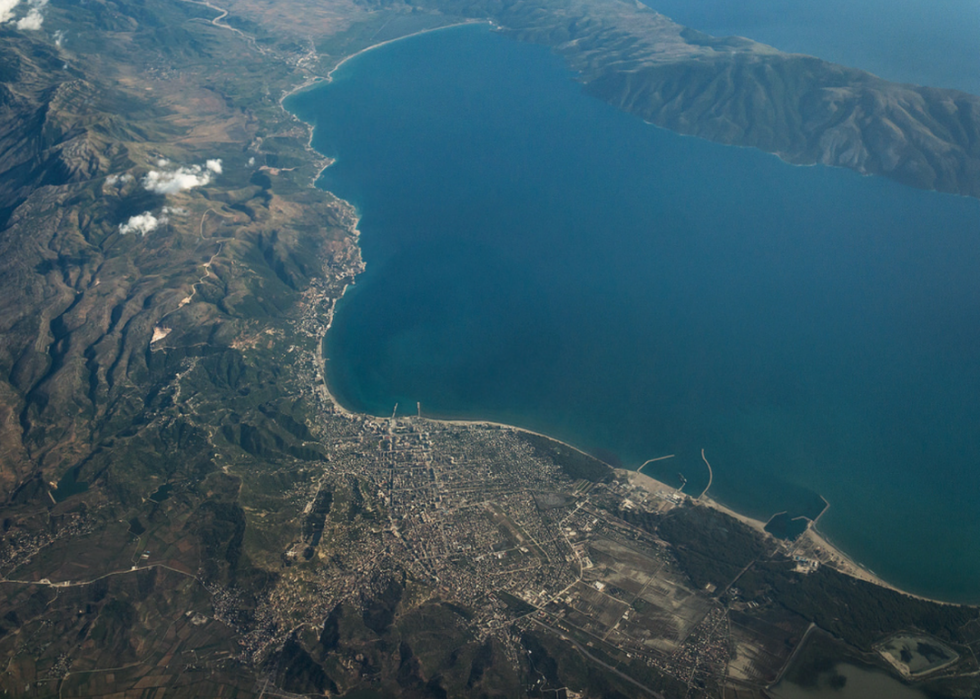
[925, 42]
[536, 257]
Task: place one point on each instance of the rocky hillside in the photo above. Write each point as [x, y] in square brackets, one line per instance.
[739, 92]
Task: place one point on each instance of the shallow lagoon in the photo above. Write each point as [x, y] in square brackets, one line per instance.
[536, 257]
[853, 682]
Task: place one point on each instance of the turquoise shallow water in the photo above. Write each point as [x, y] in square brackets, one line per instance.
[536, 257]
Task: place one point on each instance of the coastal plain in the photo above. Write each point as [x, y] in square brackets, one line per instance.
[187, 512]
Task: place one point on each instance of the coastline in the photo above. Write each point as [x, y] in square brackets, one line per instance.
[317, 79]
[811, 541]
[320, 160]
[406, 36]
[842, 562]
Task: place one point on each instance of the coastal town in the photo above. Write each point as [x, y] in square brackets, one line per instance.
[476, 513]
[487, 520]
[533, 539]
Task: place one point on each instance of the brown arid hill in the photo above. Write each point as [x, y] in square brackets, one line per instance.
[85, 300]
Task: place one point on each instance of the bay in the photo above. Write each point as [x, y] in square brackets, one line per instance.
[536, 257]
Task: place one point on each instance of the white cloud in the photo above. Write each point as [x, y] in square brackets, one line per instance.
[113, 180]
[59, 38]
[7, 10]
[174, 210]
[251, 162]
[31, 21]
[163, 162]
[142, 223]
[173, 181]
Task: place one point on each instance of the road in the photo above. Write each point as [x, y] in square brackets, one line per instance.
[79, 583]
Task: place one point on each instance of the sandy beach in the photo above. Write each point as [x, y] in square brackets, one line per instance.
[811, 544]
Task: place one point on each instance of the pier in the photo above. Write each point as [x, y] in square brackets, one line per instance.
[650, 461]
[711, 476]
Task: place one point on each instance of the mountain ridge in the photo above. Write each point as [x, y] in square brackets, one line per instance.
[737, 91]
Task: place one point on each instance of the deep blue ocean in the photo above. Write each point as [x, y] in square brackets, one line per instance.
[536, 257]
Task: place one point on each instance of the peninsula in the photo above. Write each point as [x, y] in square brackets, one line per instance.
[736, 91]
